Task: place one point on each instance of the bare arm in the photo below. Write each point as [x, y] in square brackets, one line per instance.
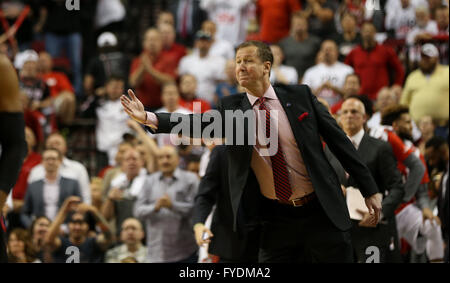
[51, 239]
[137, 76]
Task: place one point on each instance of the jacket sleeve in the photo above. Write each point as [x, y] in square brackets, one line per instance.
[341, 146]
[208, 188]
[391, 179]
[191, 125]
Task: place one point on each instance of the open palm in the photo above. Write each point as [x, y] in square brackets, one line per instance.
[133, 107]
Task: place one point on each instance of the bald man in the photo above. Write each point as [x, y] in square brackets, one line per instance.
[13, 148]
[380, 160]
[165, 205]
[131, 236]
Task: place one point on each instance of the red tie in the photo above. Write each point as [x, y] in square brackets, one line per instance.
[279, 166]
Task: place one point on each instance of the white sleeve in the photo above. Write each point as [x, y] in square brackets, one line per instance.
[37, 173]
[182, 67]
[85, 185]
[207, 5]
[292, 75]
[307, 79]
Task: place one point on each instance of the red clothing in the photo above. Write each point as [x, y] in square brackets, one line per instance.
[177, 51]
[336, 107]
[102, 172]
[20, 188]
[274, 17]
[410, 147]
[149, 90]
[373, 68]
[57, 82]
[205, 106]
[35, 121]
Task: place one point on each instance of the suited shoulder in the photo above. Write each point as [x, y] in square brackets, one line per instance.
[299, 89]
[234, 99]
[69, 180]
[377, 143]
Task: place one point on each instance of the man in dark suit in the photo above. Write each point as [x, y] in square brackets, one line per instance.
[45, 197]
[188, 19]
[380, 160]
[303, 211]
[437, 156]
[230, 246]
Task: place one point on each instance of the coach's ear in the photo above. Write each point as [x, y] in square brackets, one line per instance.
[267, 67]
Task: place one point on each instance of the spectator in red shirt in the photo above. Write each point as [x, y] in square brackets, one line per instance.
[188, 87]
[61, 90]
[171, 48]
[151, 69]
[372, 63]
[274, 18]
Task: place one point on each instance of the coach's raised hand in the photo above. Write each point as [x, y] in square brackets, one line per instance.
[134, 107]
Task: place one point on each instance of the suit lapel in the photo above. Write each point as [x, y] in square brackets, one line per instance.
[40, 196]
[62, 196]
[363, 147]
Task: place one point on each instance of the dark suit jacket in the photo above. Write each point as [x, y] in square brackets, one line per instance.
[443, 211]
[34, 205]
[213, 190]
[198, 16]
[380, 159]
[295, 100]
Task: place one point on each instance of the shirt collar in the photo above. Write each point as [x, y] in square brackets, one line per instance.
[356, 139]
[58, 179]
[175, 175]
[269, 94]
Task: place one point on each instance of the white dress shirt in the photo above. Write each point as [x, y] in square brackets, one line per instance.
[70, 169]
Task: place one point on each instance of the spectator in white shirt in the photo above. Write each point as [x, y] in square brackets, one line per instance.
[424, 30]
[327, 78]
[111, 119]
[44, 197]
[69, 168]
[125, 188]
[208, 70]
[281, 73]
[401, 19]
[220, 47]
[230, 16]
[131, 236]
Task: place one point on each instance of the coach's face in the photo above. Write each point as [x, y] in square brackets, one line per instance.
[250, 70]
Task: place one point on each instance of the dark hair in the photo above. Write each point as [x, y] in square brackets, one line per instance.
[33, 224]
[60, 155]
[114, 77]
[353, 75]
[24, 236]
[435, 142]
[299, 14]
[264, 53]
[393, 113]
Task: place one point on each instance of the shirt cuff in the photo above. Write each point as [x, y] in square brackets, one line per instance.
[152, 120]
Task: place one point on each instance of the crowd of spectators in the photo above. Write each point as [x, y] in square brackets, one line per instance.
[136, 204]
